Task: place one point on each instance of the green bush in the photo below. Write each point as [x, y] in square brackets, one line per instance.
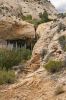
[44, 17]
[7, 77]
[53, 66]
[62, 41]
[61, 27]
[10, 58]
[35, 22]
[27, 18]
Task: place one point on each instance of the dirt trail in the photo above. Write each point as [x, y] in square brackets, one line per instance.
[36, 86]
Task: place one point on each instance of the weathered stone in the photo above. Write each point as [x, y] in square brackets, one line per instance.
[12, 28]
[48, 46]
[26, 7]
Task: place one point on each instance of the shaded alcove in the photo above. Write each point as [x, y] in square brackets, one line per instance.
[21, 43]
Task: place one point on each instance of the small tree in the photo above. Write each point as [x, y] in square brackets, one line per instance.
[44, 16]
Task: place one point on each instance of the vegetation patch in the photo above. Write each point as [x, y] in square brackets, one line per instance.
[27, 18]
[10, 58]
[43, 18]
[53, 66]
[62, 41]
[61, 27]
[35, 22]
[7, 77]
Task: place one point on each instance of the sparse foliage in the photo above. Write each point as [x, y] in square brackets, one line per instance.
[53, 66]
[44, 16]
[10, 58]
[27, 18]
[62, 41]
[7, 77]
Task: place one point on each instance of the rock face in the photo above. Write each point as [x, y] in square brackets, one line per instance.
[52, 41]
[26, 7]
[12, 28]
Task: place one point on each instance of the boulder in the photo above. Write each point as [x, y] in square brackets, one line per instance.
[12, 28]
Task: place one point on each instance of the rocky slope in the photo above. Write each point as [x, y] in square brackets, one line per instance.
[38, 85]
[26, 7]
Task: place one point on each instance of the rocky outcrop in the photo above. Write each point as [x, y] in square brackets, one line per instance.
[26, 7]
[12, 28]
[51, 44]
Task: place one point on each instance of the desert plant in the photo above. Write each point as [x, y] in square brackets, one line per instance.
[10, 58]
[44, 17]
[27, 17]
[61, 27]
[53, 66]
[24, 53]
[62, 41]
[7, 77]
[35, 22]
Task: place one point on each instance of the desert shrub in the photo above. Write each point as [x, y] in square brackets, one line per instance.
[7, 77]
[53, 66]
[62, 41]
[35, 22]
[61, 27]
[24, 53]
[27, 18]
[59, 90]
[10, 58]
[44, 17]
